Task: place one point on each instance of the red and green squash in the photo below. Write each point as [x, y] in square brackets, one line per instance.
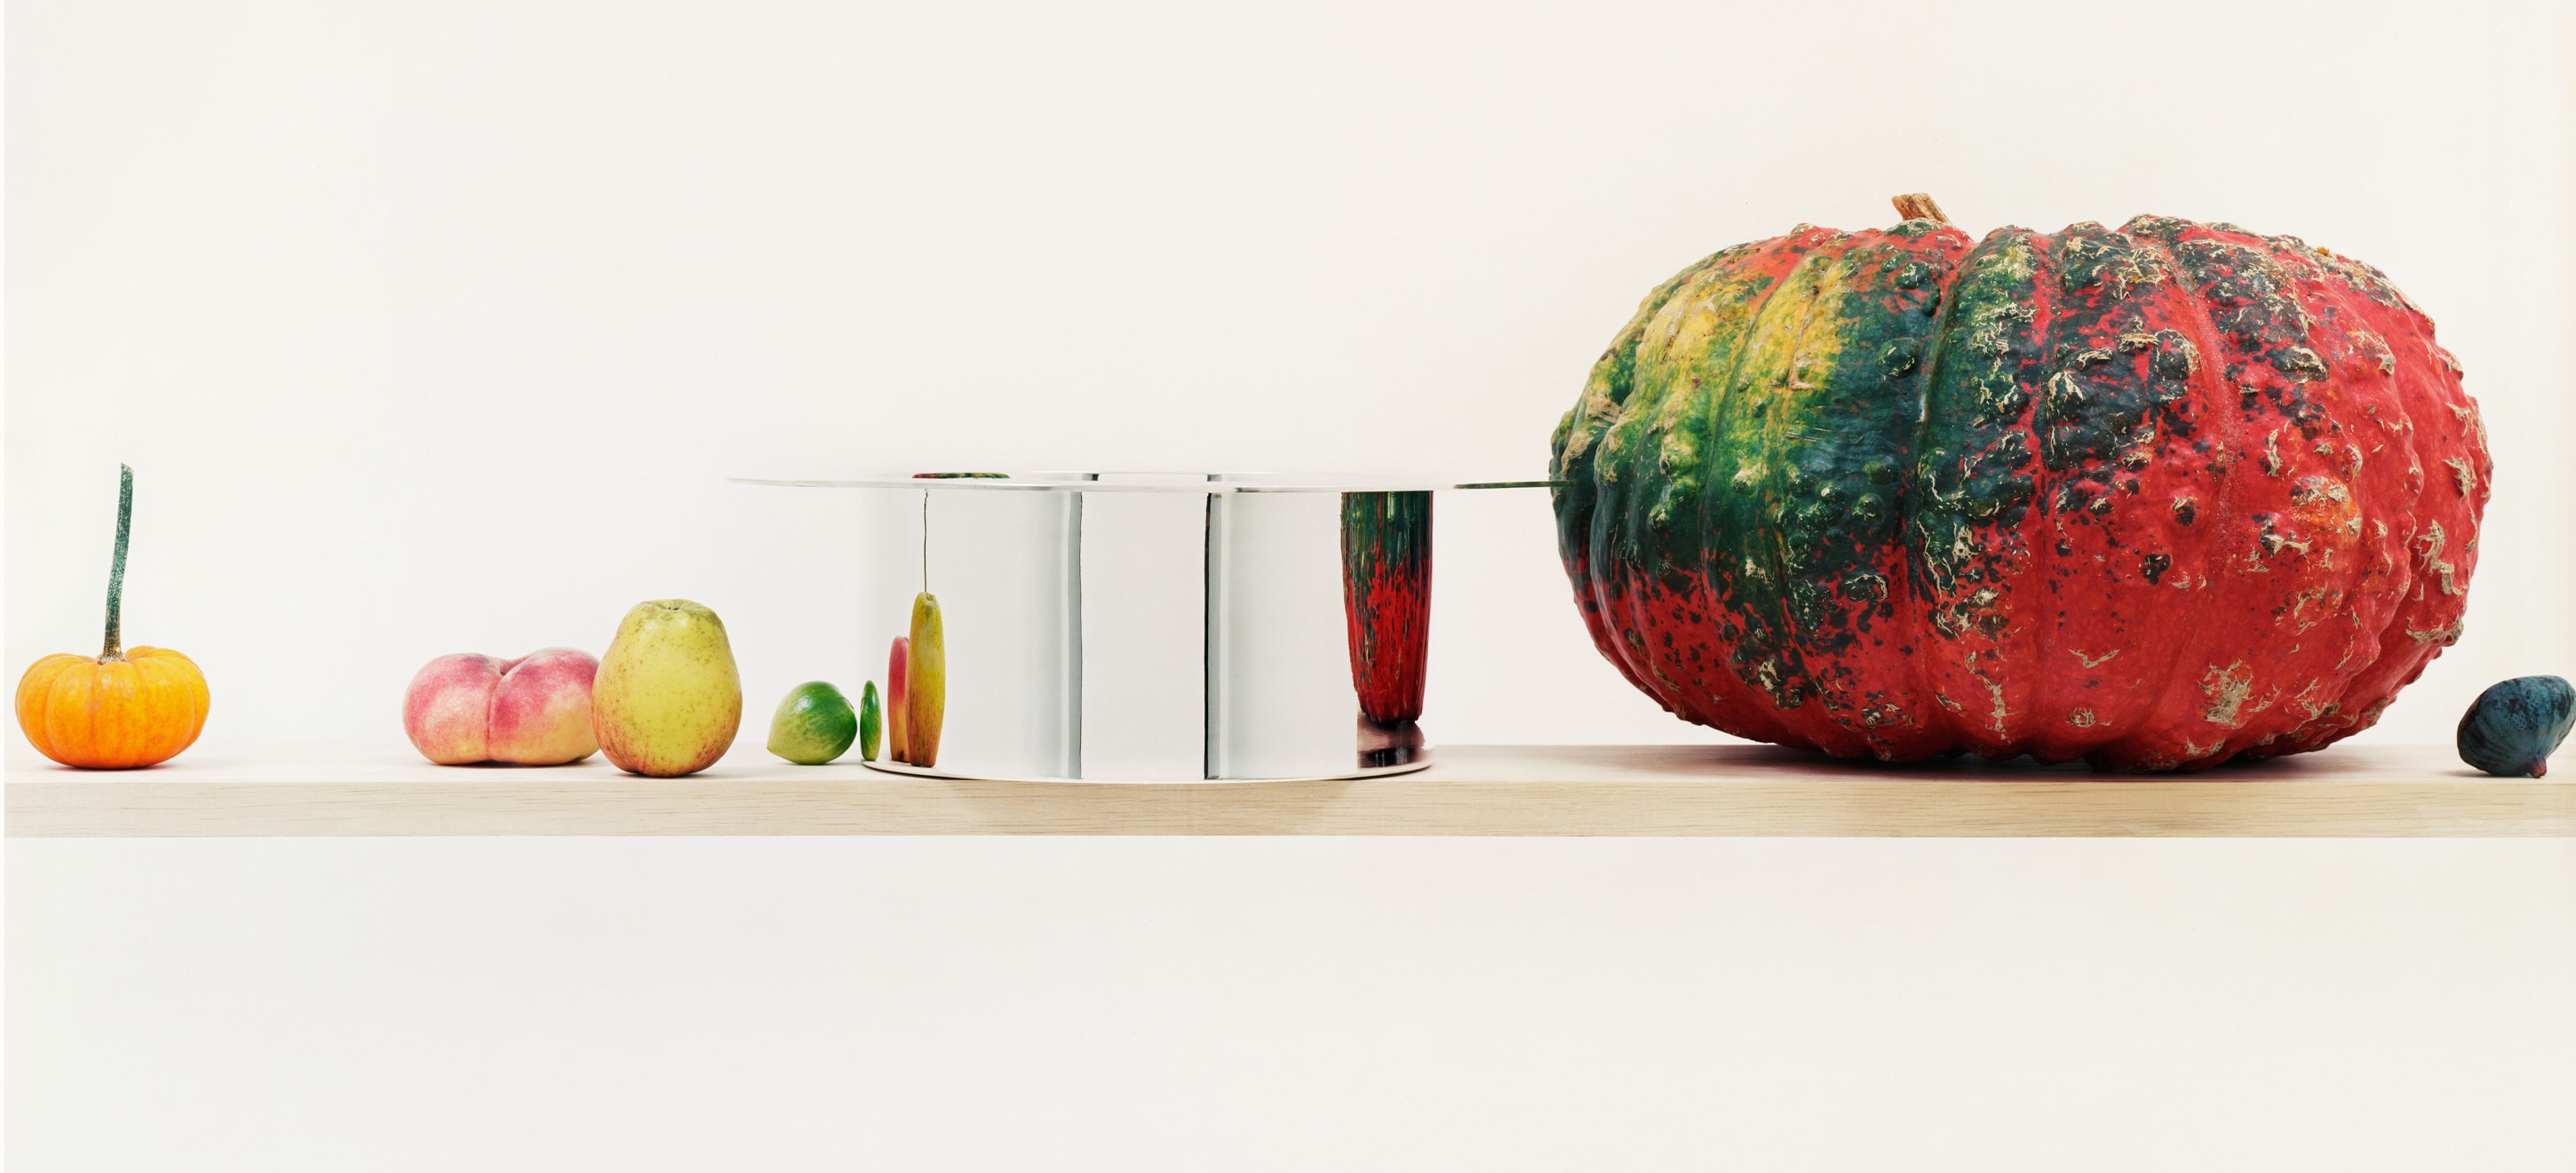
[1386, 600]
[2154, 496]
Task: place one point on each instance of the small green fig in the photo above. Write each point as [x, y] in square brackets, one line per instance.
[813, 724]
[2512, 727]
[871, 721]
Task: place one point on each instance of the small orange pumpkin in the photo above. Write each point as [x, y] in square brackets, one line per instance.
[123, 709]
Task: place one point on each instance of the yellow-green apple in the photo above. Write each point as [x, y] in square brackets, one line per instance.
[668, 700]
[925, 681]
[531, 711]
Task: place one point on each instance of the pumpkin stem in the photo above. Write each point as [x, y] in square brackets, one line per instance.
[1919, 206]
[116, 573]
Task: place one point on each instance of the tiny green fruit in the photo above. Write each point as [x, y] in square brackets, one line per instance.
[871, 721]
[814, 724]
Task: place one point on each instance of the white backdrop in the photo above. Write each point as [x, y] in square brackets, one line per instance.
[1291, 1004]
[436, 327]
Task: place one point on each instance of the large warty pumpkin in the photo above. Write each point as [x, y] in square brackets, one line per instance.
[2155, 496]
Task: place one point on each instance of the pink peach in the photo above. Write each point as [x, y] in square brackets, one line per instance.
[532, 711]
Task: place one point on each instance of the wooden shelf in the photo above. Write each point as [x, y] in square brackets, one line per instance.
[1470, 790]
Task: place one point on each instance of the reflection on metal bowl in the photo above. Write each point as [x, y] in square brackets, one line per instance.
[1420, 760]
[1160, 627]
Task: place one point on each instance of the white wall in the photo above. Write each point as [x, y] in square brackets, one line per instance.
[435, 326]
[1291, 1004]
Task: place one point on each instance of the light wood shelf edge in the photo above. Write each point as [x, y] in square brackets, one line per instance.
[1711, 790]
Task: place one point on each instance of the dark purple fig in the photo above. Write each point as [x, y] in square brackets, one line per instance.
[2512, 727]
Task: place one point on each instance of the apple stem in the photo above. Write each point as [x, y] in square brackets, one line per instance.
[116, 571]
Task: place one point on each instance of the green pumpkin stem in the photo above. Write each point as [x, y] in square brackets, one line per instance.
[116, 573]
